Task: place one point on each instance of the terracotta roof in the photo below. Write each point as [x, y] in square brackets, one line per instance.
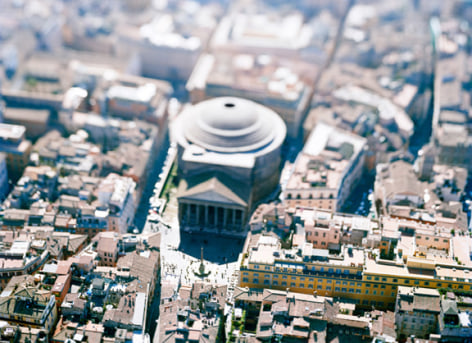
[107, 244]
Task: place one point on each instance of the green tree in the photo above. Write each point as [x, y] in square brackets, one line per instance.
[221, 335]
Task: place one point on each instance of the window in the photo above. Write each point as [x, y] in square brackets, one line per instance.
[275, 282]
[369, 278]
[328, 288]
[255, 281]
[336, 289]
[284, 283]
[302, 285]
[292, 284]
[358, 291]
[394, 280]
[266, 282]
[366, 291]
[310, 285]
[319, 287]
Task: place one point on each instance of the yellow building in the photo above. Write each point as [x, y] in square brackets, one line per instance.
[354, 274]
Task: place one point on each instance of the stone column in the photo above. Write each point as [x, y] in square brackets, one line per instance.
[225, 210]
[197, 209]
[215, 219]
[187, 220]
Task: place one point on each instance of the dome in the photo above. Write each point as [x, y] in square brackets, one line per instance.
[229, 124]
[228, 115]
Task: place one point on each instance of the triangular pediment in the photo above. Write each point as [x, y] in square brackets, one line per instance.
[213, 196]
[214, 190]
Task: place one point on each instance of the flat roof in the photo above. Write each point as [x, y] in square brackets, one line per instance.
[27, 115]
[10, 131]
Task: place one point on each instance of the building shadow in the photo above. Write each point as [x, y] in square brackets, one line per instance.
[216, 249]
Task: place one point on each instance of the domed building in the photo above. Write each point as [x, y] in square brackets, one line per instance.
[229, 155]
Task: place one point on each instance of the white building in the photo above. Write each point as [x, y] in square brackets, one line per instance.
[164, 52]
[118, 193]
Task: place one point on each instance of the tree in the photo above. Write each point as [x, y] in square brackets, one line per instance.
[221, 335]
